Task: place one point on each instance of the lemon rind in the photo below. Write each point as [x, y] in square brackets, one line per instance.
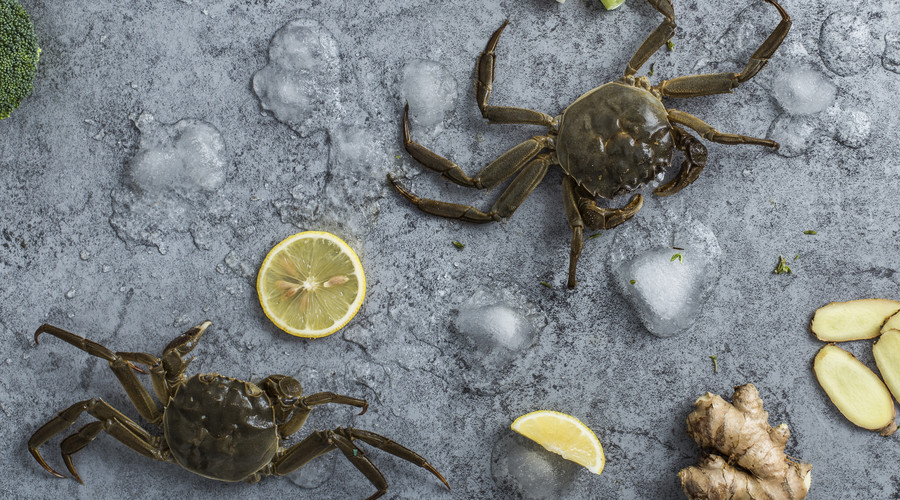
[591, 437]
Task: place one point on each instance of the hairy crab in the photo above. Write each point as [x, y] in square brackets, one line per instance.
[212, 425]
[610, 141]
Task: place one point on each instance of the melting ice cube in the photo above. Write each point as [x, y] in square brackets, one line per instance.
[523, 467]
[803, 91]
[495, 325]
[300, 83]
[666, 286]
[430, 91]
[189, 154]
[792, 133]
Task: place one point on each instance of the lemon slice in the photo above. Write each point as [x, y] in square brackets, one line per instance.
[311, 284]
[564, 435]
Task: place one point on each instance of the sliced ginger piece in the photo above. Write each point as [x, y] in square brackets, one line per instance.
[892, 323]
[852, 320]
[856, 391]
[887, 357]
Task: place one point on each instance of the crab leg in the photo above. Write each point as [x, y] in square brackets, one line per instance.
[121, 367]
[304, 406]
[322, 442]
[503, 208]
[709, 133]
[490, 176]
[109, 419]
[484, 81]
[657, 39]
[582, 210]
[694, 161]
[721, 83]
[570, 204]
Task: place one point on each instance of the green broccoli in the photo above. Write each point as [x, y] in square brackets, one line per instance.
[19, 53]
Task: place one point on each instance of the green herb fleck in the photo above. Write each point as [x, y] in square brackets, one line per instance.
[458, 245]
[782, 267]
[677, 256]
[651, 69]
[355, 451]
[595, 235]
[670, 45]
[633, 282]
[715, 363]
[810, 232]
[797, 256]
[397, 157]
[548, 285]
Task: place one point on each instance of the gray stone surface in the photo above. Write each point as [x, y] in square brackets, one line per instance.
[78, 251]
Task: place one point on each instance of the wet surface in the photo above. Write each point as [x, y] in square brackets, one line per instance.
[82, 248]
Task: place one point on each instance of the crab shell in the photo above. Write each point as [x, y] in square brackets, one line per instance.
[239, 442]
[614, 139]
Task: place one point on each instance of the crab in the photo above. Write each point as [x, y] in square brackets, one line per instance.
[216, 426]
[612, 140]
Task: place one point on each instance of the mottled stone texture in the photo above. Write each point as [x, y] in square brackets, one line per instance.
[63, 158]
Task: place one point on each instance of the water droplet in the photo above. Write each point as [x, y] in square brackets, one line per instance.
[85, 255]
[71, 293]
[845, 43]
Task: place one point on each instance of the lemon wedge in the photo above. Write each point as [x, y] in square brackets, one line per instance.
[311, 284]
[612, 4]
[564, 435]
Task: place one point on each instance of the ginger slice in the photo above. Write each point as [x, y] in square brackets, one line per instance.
[856, 391]
[748, 460]
[887, 357]
[892, 323]
[852, 320]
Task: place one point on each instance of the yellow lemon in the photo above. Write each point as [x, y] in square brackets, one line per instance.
[564, 435]
[311, 284]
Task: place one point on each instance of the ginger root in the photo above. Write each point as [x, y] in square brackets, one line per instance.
[747, 459]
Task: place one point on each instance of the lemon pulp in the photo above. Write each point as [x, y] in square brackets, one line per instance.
[564, 435]
[311, 284]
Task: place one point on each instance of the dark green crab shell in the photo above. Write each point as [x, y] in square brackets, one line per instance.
[614, 139]
[220, 427]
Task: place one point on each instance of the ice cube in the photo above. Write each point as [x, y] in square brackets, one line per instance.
[430, 91]
[803, 91]
[497, 328]
[300, 83]
[188, 155]
[524, 468]
[845, 43]
[849, 126]
[666, 273]
[315, 473]
[792, 133]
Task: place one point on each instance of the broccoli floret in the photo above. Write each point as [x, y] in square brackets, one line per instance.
[19, 53]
